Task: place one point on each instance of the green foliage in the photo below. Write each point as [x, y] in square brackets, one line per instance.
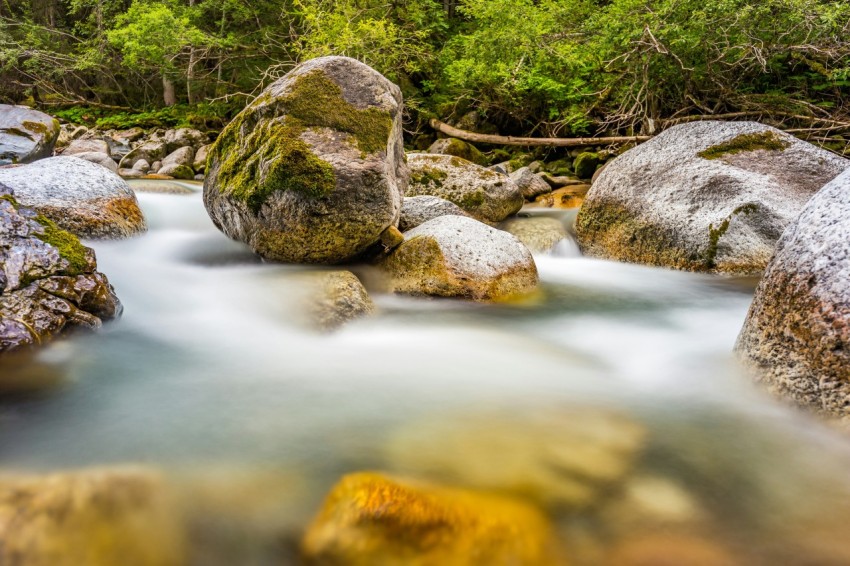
[201, 116]
[539, 67]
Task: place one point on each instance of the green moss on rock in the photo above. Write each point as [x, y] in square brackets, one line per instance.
[745, 142]
[585, 164]
[36, 127]
[270, 157]
[67, 244]
[714, 234]
[428, 176]
[317, 101]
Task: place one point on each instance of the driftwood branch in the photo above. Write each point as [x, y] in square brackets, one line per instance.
[511, 140]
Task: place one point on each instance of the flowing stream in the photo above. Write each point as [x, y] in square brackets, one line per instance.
[212, 376]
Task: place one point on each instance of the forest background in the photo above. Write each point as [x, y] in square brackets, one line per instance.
[525, 67]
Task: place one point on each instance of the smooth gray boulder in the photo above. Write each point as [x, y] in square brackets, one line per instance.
[101, 159]
[486, 195]
[84, 198]
[705, 196]
[456, 256]
[530, 183]
[48, 281]
[797, 333]
[313, 170]
[421, 209]
[26, 135]
[79, 146]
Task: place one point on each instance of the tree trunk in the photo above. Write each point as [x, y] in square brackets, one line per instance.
[168, 94]
[530, 142]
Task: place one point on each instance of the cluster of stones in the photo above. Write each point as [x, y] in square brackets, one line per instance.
[314, 171]
[177, 153]
[49, 280]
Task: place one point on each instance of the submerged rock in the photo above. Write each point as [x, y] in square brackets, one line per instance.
[335, 298]
[567, 197]
[84, 198]
[313, 170]
[418, 210]
[369, 519]
[98, 517]
[540, 234]
[705, 196]
[455, 256]
[560, 458]
[49, 281]
[26, 135]
[486, 195]
[797, 333]
[458, 148]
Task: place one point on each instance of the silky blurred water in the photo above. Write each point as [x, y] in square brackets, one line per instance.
[211, 368]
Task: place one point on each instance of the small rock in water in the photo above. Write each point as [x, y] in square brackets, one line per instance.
[564, 198]
[369, 519]
[96, 517]
[86, 146]
[84, 198]
[670, 549]
[421, 209]
[313, 170]
[455, 256]
[486, 195]
[26, 135]
[150, 151]
[563, 459]
[540, 234]
[335, 298]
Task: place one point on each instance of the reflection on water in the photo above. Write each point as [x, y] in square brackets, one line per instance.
[613, 394]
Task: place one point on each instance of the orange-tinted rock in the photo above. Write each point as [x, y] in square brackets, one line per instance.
[371, 519]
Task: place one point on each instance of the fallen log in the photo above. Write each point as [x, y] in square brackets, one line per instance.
[511, 140]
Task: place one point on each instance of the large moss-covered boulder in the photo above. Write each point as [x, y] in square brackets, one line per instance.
[706, 196]
[84, 198]
[313, 170]
[456, 256]
[48, 281]
[797, 333]
[97, 517]
[369, 519]
[26, 134]
[487, 195]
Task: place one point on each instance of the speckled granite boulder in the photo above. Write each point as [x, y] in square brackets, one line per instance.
[26, 135]
[101, 159]
[797, 333]
[706, 196]
[455, 256]
[313, 170]
[82, 197]
[486, 195]
[48, 281]
[421, 209]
